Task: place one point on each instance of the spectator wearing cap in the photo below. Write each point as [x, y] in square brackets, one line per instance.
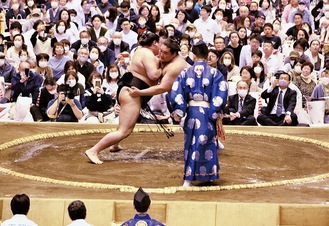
[293, 55]
[142, 203]
[304, 11]
[31, 19]
[206, 26]
[191, 30]
[259, 21]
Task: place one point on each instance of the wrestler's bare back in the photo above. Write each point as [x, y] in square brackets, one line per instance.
[145, 66]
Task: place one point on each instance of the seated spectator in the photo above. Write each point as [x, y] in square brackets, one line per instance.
[77, 212]
[67, 47]
[25, 83]
[281, 103]
[270, 37]
[58, 61]
[233, 71]
[97, 30]
[322, 90]
[71, 80]
[142, 203]
[247, 50]
[14, 12]
[98, 102]
[94, 59]
[61, 31]
[12, 54]
[64, 108]
[185, 53]
[123, 61]
[20, 206]
[43, 68]
[128, 35]
[261, 78]
[213, 61]
[47, 93]
[40, 40]
[6, 69]
[107, 57]
[271, 58]
[235, 46]
[72, 66]
[110, 82]
[117, 45]
[296, 69]
[84, 67]
[304, 82]
[247, 75]
[83, 41]
[240, 107]
[293, 55]
[316, 58]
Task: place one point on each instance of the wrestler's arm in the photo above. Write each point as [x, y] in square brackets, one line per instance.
[151, 65]
[166, 82]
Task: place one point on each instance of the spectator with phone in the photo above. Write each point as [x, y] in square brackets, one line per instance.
[64, 108]
[98, 102]
[25, 83]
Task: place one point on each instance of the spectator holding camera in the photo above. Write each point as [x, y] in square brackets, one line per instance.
[97, 101]
[64, 108]
[71, 81]
[25, 83]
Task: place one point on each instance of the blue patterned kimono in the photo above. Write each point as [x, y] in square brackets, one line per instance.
[142, 220]
[200, 82]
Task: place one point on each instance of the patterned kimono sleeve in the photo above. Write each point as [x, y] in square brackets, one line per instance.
[178, 95]
[218, 96]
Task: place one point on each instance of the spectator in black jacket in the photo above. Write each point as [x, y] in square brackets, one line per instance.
[117, 45]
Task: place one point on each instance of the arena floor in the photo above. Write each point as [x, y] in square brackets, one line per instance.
[275, 169]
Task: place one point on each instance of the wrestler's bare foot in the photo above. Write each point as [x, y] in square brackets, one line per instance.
[93, 157]
[115, 148]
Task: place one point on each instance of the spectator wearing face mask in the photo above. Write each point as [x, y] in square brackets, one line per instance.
[53, 12]
[43, 68]
[84, 41]
[110, 82]
[47, 93]
[32, 18]
[107, 57]
[14, 12]
[304, 11]
[117, 45]
[94, 59]
[240, 107]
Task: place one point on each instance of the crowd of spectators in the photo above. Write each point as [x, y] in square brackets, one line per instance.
[67, 55]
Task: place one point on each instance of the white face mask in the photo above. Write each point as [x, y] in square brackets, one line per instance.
[227, 62]
[71, 83]
[2, 62]
[114, 75]
[30, 3]
[219, 18]
[117, 41]
[73, 18]
[82, 59]
[15, 6]
[84, 41]
[102, 48]
[298, 69]
[143, 22]
[258, 70]
[15, 33]
[18, 44]
[54, 5]
[305, 76]
[170, 33]
[276, 27]
[301, 7]
[61, 29]
[52, 92]
[196, 40]
[23, 58]
[265, 5]
[126, 59]
[325, 81]
[242, 92]
[43, 64]
[93, 56]
[191, 34]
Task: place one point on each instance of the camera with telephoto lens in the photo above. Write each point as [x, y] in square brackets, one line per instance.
[69, 93]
